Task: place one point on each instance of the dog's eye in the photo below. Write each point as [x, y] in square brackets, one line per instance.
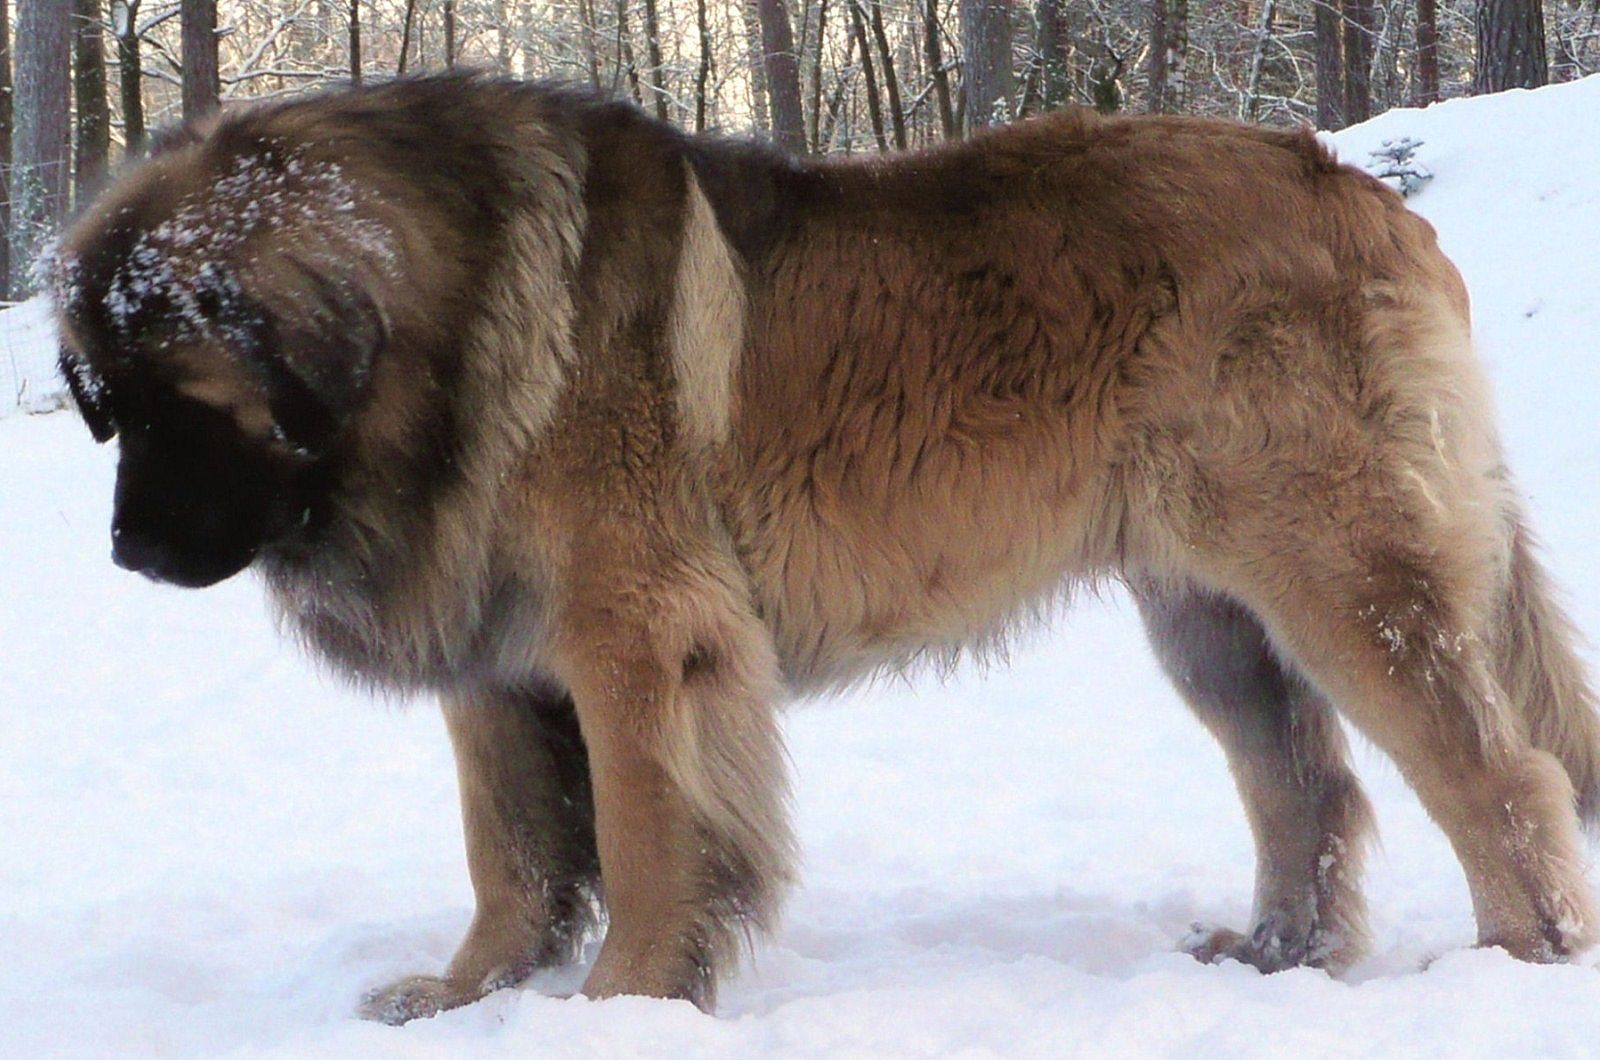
[301, 420]
[88, 392]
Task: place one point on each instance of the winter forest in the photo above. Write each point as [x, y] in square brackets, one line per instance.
[85, 82]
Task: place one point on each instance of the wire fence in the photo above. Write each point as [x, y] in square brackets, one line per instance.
[29, 381]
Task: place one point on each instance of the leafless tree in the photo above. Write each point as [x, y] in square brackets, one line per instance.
[201, 88]
[819, 40]
[1329, 38]
[1258, 58]
[874, 102]
[654, 73]
[1511, 51]
[449, 33]
[40, 142]
[940, 78]
[1427, 52]
[986, 44]
[1358, 35]
[1576, 29]
[93, 111]
[130, 72]
[832, 75]
[407, 25]
[355, 42]
[1049, 82]
[703, 71]
[1168, 55]
[891, 82]
[5, 148]
[782, 75]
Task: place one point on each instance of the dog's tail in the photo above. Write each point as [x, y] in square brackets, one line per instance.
[1540, 670]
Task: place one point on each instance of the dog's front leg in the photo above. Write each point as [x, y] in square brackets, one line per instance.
[525, 806]
[675, 685]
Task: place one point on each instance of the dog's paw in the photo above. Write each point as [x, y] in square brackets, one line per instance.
[413, 998]
[1208, 943]
[1273, 945]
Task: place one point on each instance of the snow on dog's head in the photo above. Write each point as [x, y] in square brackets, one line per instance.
[216, 312]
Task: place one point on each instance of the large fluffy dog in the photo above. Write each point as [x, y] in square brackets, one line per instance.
[616, 437]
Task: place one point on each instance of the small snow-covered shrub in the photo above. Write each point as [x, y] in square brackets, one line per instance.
[1396, 163]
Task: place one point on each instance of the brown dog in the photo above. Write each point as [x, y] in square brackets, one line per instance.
[615, 437]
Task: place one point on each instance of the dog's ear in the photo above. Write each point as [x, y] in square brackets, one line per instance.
[314, 355]
[88, 393]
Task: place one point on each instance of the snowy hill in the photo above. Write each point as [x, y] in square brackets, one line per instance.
[208, 850]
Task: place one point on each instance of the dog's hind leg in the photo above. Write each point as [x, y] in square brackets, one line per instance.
[1310, 820]
[529, 821]
[1395, 639]
[1342, 480]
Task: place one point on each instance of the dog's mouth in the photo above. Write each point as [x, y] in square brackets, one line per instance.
[170, 568]
[190, 579]
[221, 545]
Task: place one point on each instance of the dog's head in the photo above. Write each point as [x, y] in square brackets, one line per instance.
[215, 320]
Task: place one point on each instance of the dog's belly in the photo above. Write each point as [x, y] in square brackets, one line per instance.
[882, 578]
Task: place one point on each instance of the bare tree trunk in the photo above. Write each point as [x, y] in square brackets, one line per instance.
[201, 87]
[449, 33]
[1055, 67]
[816, 76]
[40, 136]
[1169, 55]
[407, 22]
[5, 149]
[703, 73]
[1359, 29]
[1511, 52]
[1177, 54]
[986, 44]
[840, 87]
[625, 58]
[656, 74]
[874, 104]
[934, 54]
[355, 42]
[94, 115]
[130, 73]
[1427, 52]
[755, 60]
[1156, 103]
[783, 75]
[591, 50]
[891, 83]
[1330, 65]
[1258, 56]
[502, 35]
[529, 55]
[1564, 62]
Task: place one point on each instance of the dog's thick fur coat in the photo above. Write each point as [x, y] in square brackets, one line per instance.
[616, 437]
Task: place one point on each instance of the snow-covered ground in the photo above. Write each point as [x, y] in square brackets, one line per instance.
[207, 850]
